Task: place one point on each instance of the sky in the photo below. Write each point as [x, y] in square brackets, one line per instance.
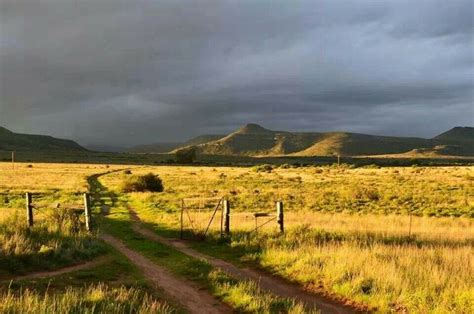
[123, 73]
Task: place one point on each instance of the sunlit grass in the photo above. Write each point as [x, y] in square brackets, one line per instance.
[422, 191]
[348, 231]
[93, 299]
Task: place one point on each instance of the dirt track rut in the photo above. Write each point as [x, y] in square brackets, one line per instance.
[268, 283]
[184, 292]
[65, 270]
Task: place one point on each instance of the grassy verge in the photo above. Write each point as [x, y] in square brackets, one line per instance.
[93, 299]
[390, 272]
[43, 247]
[113, 287]
[242, 295]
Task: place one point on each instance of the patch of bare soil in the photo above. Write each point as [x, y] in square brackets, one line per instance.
[184, 292]
[272, 284]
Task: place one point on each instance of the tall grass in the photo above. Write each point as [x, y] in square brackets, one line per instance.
[246, 296]
[439, 192]
[387, 272]
[348, 230]
[46, 245]
[93, 299]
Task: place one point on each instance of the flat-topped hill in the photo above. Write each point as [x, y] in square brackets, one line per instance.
[31, 142]
[255, 140]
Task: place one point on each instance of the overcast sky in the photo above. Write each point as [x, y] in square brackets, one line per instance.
[133, 72]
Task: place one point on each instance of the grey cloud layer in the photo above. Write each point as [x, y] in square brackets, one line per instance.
[130, 72]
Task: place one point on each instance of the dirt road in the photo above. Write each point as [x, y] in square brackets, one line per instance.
[184, 292]
[266, 282]
[65, 270]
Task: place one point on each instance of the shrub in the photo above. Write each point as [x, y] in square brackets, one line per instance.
[365, 193]
[145, 183]
[263, 168]
[372, 166]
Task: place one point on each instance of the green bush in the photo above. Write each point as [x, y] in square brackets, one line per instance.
[365, 193]
[263, 168]
[145, 183]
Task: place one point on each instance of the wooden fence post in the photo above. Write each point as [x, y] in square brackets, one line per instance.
[181, 234]
[227, 217]
[87, 212]
[279, 206]
[29, 210]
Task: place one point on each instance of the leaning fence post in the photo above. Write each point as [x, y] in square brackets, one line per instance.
[29, 210]
[227, 217]
[87, 212]
[279, 206]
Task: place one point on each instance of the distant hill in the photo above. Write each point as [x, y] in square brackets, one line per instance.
[458, 140]
[354, 144]
[168, 147]
[255, 140]
[29, 142]
[458, 134]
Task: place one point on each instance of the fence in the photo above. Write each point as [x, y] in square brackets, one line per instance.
[191, 216]
[85, 208]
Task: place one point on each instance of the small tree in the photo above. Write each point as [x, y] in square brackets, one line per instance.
[186, 155]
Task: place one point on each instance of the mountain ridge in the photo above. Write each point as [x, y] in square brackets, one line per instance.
[255, 140]
[10, 140]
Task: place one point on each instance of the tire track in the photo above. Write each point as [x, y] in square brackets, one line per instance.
[274, 285]
[184, 292]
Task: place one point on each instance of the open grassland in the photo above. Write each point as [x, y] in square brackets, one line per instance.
[244, 296]
[422, 191]
[397, 239]
[110, 288]
[348, 230]
[51, 183]
[58, 240]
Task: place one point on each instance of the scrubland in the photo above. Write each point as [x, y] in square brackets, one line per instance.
[396, 238]
[348, 231]
[56, 240]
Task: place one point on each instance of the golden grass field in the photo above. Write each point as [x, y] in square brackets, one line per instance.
[347, 230]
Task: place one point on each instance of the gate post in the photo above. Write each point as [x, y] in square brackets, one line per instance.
[226, 217]
[29, 210]
[279, 206]
[87, 212]
[181, 234]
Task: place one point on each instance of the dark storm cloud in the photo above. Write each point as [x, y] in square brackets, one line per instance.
[131, 72]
